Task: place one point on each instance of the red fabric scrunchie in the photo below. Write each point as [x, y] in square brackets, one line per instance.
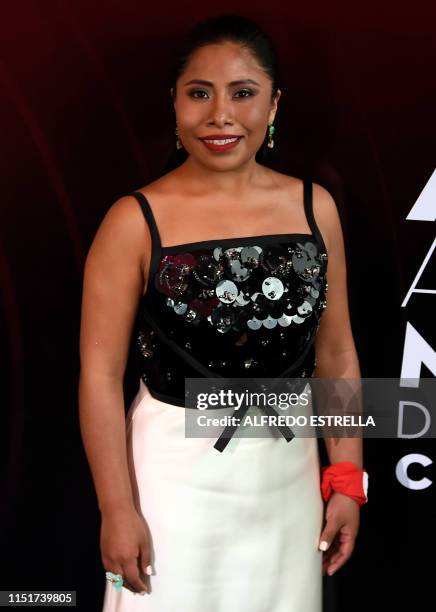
[345, 477]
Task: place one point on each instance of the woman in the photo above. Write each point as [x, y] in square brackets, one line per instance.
[220, 266]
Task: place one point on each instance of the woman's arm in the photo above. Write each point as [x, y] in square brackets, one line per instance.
[336, 358]
[336, 355]
[113, 284]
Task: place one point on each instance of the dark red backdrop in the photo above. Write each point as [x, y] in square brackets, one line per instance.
[85, 117]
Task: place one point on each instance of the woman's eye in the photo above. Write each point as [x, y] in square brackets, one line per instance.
[246, 91]
[194, 93]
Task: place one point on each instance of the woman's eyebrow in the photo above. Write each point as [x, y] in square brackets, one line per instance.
[210, 84]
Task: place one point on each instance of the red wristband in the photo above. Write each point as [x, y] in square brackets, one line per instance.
[346, 478]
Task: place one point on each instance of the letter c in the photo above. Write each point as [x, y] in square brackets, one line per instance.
[403, 477]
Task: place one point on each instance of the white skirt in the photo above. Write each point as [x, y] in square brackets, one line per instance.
[231, 531]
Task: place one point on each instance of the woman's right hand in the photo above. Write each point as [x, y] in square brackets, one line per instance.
[125, 548]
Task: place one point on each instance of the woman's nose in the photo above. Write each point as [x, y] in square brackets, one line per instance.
[221, 110]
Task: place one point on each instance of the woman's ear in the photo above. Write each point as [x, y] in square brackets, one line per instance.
[274, 106]
[172, 96]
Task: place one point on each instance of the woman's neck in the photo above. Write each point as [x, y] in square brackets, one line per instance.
[233, 182]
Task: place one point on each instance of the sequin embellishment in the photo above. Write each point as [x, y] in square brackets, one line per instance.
[248, 286]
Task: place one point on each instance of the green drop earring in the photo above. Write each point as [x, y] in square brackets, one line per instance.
[271, 130]
[178, 142]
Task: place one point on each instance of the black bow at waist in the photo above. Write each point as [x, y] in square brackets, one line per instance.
[230, 429]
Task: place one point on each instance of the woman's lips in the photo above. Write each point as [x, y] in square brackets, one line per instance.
[215, 146]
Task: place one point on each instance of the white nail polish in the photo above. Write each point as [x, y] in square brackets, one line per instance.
[324, 545]
[148, 570]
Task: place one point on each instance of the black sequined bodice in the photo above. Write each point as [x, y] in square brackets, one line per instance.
[234, 307]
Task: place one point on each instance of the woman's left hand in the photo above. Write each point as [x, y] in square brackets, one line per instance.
[342, 517]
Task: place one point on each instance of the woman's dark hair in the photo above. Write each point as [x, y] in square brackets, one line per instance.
[218, 29]
[228, 27]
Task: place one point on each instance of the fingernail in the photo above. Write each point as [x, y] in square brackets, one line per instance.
[148, 570]
[324, 545]
[330, 572]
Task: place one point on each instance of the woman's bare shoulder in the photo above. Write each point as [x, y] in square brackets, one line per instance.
[121, 231]
[125, 227]
[126, 212]
[323, 204]
[326, 215]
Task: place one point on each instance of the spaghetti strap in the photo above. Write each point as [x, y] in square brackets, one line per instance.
[156, 245]
[308, 208]
[149, 216]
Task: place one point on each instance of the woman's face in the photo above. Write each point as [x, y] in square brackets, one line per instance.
[223, 92]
